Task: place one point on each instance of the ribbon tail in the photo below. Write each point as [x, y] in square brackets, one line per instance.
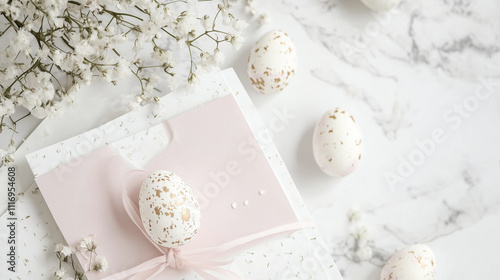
[221, 273]
[146, 275]
[133, 213]
[205, 267]
[245, 240]
[144, 271]
[199, 260]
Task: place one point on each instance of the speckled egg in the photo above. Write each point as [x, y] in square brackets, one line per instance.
[272, 62]
[337, 143]
[381, 5]
[416, 262]
[169, 210]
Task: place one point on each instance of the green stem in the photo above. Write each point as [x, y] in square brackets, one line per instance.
[21, 118]
[1, 123]
[191, 57]
[11, 21]
[136, 74]
[90, 259]
[170, 34]
[6, 29]
[215, 18]
[6, 91]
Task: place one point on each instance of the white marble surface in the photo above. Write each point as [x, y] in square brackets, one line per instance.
[407, 75]
[403, 76]
[138, 137]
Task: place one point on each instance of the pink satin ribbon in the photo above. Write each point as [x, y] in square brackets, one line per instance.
[199, 260]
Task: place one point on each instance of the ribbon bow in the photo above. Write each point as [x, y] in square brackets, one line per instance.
[197, 260]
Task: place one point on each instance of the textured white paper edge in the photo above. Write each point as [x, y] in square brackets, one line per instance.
[320, 250]
[298, 266]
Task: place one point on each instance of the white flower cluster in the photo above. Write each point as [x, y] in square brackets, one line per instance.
[87, 244]
[54, 47]
[64, 254]
[7, 156]
[359, 236]
[64, 251]
[87, 248]
[251, 6]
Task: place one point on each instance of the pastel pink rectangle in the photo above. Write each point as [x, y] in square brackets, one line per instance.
[212, 148]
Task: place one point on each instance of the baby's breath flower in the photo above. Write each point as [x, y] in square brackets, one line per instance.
[186, 26]
[93, 5]
[39, 112]
[43, 53]
[264, 19]
[163, 56]
[206, 22]
[364, 253]
[239, 25]
[73, 89]
[67, 251]
[55, 111]
[354, 215]
[20, 43]
[192, 79]
[53, 47]
[149, 29]
[172, 83]
[10, 73]
[87, 243]
[59, 273]
[10, 157]
[131, 103]
[58, 248]
[236, 41]
[122, 69]
[160, 107]
[151, 82]
[101, 264]
[361, 233]
[7, 107]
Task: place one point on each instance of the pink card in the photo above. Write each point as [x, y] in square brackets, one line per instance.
[213, 149]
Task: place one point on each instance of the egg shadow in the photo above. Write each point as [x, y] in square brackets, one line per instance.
[308, 174]
[240, 67]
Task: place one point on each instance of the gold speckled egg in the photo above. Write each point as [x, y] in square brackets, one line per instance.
[169, 210]
[416, 262]
[272, 62]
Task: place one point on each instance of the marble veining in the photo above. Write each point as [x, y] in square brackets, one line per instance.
[423, 81]
[404, 74]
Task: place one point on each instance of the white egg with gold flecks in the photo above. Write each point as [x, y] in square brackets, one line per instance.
[272, 62]
[169, 210]
[337, 143]
[416, 262]
[381, 5]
